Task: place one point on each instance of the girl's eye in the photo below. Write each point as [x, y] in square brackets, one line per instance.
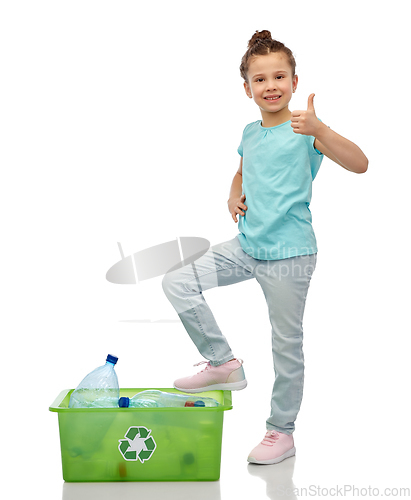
[279, 77]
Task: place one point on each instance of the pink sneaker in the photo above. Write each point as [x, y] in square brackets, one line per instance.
[227, 377]
[274, 448]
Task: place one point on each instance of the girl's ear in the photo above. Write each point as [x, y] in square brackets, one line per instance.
[248, 90]
[295, 83]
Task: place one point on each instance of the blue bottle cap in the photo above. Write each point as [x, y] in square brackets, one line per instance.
[112, 359]
[124, 402]
[199, 403]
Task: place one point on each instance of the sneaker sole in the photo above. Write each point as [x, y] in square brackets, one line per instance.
[287, 454]
[233, 386]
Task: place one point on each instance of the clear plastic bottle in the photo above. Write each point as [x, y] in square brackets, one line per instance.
[99, 389]
[159, 399]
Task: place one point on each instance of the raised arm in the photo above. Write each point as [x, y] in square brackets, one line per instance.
[334, 146]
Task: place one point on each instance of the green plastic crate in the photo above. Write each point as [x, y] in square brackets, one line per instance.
[141, 444]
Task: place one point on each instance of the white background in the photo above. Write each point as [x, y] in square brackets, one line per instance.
[120, 122]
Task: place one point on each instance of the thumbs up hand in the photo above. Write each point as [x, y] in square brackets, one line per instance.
[306, 122]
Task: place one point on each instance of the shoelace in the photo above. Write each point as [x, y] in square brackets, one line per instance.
[203, 362]
[209, 364]
[270, 438]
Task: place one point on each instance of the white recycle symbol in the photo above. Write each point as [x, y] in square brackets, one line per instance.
[137, 445]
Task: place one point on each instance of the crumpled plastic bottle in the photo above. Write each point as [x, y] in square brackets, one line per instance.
[159, 399]
[99, 389]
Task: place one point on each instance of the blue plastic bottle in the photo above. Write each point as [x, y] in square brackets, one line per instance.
[159, 399]
[99, 389]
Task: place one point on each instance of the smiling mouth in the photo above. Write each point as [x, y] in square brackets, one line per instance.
[274, 98]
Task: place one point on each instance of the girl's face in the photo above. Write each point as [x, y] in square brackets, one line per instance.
[271, 84]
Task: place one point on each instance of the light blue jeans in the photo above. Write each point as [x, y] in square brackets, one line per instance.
[285, 285]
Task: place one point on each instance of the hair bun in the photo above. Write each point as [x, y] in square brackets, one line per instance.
[259, 35]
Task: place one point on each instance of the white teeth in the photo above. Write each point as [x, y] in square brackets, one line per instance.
[272, 98]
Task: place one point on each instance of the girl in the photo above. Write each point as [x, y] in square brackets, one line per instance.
[271, 192]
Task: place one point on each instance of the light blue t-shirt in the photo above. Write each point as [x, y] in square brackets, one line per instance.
[278, 169]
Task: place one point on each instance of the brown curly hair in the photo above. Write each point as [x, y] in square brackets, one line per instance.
[260, 44]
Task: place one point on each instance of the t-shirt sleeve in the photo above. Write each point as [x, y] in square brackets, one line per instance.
[240, 147]
[312, 142]
[316, 158]
[315, 149]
